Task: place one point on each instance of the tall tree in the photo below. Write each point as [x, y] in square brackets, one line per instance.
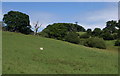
[111, 26]
[17, 22]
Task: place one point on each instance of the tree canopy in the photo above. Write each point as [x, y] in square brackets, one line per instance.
[96, 32]
[59, 30]
[111, 26]
[17, 22]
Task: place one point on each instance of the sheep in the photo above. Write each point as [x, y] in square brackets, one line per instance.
[41, 48]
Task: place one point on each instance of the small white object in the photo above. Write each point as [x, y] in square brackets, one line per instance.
[41, 48]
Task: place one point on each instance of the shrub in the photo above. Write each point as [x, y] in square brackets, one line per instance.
[72, 37]
[107, 36]
[96, 42]
[4, 28]
[43, 34]
[117, 43]
[84, 35]
[82, 41]
[115, 36]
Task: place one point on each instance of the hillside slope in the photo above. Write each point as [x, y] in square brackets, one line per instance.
[21, 54]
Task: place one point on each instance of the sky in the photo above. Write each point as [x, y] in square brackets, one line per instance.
[60, 0]
[87, 14]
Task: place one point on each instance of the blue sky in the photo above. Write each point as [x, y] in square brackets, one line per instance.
[60, 0]
[87, 14]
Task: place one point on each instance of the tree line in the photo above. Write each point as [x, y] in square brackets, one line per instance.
[19, 22]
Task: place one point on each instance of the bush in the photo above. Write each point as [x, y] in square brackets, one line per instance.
[82, 41]
[72, 37]
[84, 35]
[96, 42]
[117, 43]
[115, 36]
[43, 34]
[107, 36]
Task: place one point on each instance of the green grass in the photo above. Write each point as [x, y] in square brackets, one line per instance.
[110, 45]
[21, 54]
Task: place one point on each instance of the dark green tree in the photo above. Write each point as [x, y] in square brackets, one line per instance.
[72, 37]
[111, 26]
[89, 31]
[96, 32]
[17, 22]
[60, 30]
[117, 43]
[107, 36]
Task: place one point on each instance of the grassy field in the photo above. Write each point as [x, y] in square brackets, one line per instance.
[110, 45]
[81, 33]
[21, 54]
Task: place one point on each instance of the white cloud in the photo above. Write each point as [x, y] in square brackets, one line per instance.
[105, 14]
[90, 19]
[43, 17]
[98, 18]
